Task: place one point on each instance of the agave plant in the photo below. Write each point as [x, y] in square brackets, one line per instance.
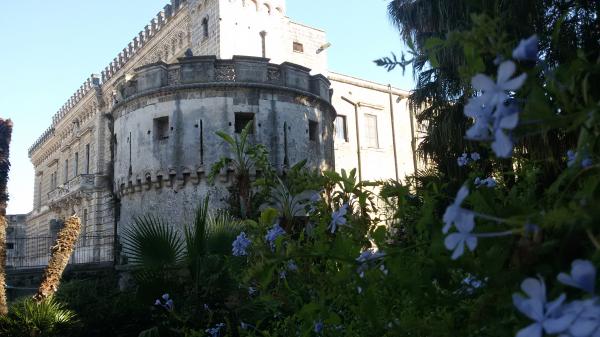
[29, 318]
[5, 136]
[290, 206]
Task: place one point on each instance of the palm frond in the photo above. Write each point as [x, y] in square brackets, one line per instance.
[152, 243]
[222, 230]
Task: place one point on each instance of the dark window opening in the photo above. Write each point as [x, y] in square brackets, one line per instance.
[341, 128]
[313, 130]
[76, 166]
[205, 27]
[161, 128]
[242, 119]
[87, 159]
[298, 47]
[10, 245]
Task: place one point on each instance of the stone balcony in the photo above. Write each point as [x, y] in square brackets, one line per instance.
[72, 188]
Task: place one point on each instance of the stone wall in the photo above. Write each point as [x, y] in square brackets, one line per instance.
[165, 128]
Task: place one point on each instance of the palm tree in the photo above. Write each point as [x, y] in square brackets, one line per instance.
[440, 94]
[154, 246]
[61, 252]
[5, 137]
[246, 157]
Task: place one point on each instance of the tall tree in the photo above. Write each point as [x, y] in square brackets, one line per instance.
[442, 88]
[5, 137]
[61, 252]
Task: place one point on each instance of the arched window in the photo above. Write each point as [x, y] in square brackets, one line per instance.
[205, 27]
[267, 8]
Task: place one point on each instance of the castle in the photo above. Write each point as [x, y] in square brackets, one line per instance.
[140, 136]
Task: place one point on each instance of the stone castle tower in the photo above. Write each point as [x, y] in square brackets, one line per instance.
[140, 136]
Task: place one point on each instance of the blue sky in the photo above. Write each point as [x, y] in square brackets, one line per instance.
[51, 47]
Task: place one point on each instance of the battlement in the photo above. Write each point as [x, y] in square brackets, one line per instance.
[95, 81]
[156, 24]
[208, 70]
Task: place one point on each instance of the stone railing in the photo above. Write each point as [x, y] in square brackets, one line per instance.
[198, 70]
[81, 182]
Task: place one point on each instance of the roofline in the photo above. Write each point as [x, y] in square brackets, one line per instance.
[337, 77]
[307, 26]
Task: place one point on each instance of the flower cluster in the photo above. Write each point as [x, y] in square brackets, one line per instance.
[586, 161]
[216, 331]
[240, 245]
[487, 182]
[338, 218]
[368, 258]
[464, 222]
[273, 233]
[495, 111]
[464, 158]
[580, 318]
[166, 302]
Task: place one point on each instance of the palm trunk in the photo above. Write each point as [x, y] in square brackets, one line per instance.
[61, 252]
[5, 136]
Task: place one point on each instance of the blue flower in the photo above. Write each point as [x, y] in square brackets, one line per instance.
[487, 182]
[240, 245]
[585, 318]
[586, 162]
[494, 111]
[547, 316]
[475, 156]
[462, 160]
[457, 241]
[251, 291]
[527, 50]
[583, 276]
[273, 233]
[215, 332]
[338, 218]
[365, 258]
[571, 156]
[168, 305]
[291, 266]
[318, 327]
[456, 215]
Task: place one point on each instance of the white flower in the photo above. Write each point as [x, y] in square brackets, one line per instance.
[457, 241]
[338, 218]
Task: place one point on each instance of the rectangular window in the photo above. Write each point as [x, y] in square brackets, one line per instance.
[87, 158]
[298, 47]
[161, 128]
[371, 131]
[76, 166]
[313, 131]
[66, 170]
[10, 245]
[341, 128]
[242, 119]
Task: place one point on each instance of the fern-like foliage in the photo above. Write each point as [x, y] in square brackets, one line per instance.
[153, 243]
[28, 318]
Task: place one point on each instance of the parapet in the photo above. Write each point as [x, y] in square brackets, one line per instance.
[151, 30]
[92, 82]
[208, 70]
[156, 24]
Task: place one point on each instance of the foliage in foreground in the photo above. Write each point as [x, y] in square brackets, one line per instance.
[30, 318]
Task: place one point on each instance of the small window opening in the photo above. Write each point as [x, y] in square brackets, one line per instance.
[298, 47]
[313, 130]
[242, 119]
[161, 128]
[10, 245]
[371, 131]
[205, 27]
